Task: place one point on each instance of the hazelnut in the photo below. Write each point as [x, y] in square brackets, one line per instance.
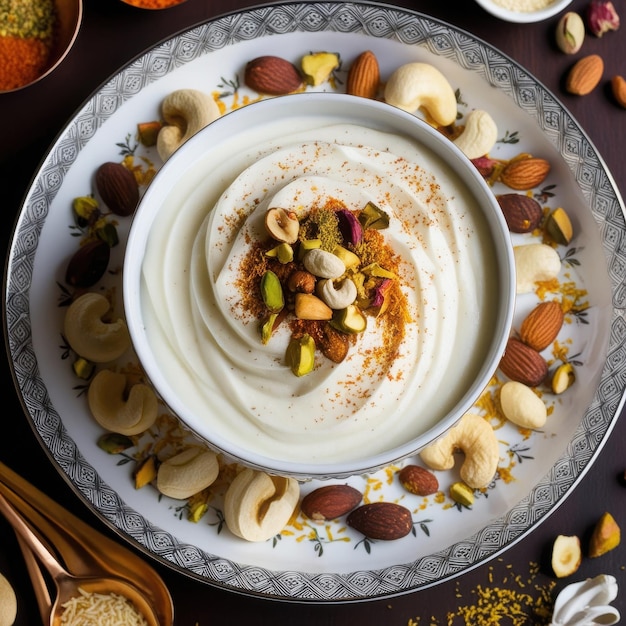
[301, 282]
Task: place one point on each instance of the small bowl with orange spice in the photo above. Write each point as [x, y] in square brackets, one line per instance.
[35, 37]
[318, 285]
[153, 4]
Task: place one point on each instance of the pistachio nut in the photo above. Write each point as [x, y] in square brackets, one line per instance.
[272, 292]
[300, 355]
[570, 33]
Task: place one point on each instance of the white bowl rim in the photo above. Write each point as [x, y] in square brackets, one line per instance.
[314, 103]
[523, 17]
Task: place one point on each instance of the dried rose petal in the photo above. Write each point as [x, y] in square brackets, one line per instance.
[601, 17]
[349, 227]
[485, 165]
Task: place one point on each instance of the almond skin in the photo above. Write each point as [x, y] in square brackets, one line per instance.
[523, 363]
[585, 75]
[618, 86]
[364, 76]
[330, 502]
[272, 75]
[522, 213]
[418, 480]
[381, 520]
[541, 326]
[117, 188]
[525, 173]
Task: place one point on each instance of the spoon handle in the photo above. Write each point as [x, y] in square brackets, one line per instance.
[42, 593]
[48, 560]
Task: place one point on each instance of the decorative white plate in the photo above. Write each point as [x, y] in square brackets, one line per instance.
[330, 562]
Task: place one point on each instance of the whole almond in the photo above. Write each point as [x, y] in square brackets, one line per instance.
[330, 502]
[618, 86]
[364, 76]
[523, 363]
[418, 480]
[272, 75]
[117, 188]
[541, 326]
[585, 75]
[381, 520]
[522, 213]
[525, 173]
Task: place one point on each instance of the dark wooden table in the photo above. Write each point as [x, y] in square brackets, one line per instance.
[114, 33]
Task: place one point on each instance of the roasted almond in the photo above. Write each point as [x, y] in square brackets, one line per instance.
[542, 325]
[272, 75]
[117, 188]
[522, 213]
[381, 520]
[618, 86]
[330, 502]
[364, 76]
[525, 173]
[585, 75]
[523, 363]
[418, 480]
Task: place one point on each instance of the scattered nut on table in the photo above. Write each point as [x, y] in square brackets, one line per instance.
[8, 602]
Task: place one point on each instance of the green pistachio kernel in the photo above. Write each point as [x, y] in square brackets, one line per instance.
[272, 292]
[301, 355]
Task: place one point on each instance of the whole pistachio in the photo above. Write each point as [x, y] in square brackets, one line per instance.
[570, 32]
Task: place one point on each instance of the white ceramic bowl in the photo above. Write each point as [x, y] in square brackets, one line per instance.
[500, 9]
[227, 356]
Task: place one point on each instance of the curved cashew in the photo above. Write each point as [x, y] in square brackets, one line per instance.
[323, 264]
[257, 506]
[88, 335]
[479, 136]
[535, 262]
[339, 298]
[477, 439]
[522, 406]
[112, 410]
[187, 473]
[420, 85]
[186, 111]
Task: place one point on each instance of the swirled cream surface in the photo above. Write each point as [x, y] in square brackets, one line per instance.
[209, 347]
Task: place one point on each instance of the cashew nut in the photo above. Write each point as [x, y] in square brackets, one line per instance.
[476, 438]
[421, 85]
[522, 406]
[257, 506]
[187, 473]
[117, 412]
[479, 136]
[88, 335]
[535, 262]
[186, 111]
[323, 264]
[335, 298]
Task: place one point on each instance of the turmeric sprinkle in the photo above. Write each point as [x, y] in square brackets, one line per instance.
[26, 37]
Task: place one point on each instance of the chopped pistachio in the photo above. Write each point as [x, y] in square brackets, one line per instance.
[349, 320]
[301, 355]
[272, 292]
[563, 378]
[462, 494]
[283, 252]
[373, 217]
[83, 368]
[114, 443]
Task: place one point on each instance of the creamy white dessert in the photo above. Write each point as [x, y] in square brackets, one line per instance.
[209, 347]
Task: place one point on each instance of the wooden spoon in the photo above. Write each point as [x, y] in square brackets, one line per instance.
[68, 586]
